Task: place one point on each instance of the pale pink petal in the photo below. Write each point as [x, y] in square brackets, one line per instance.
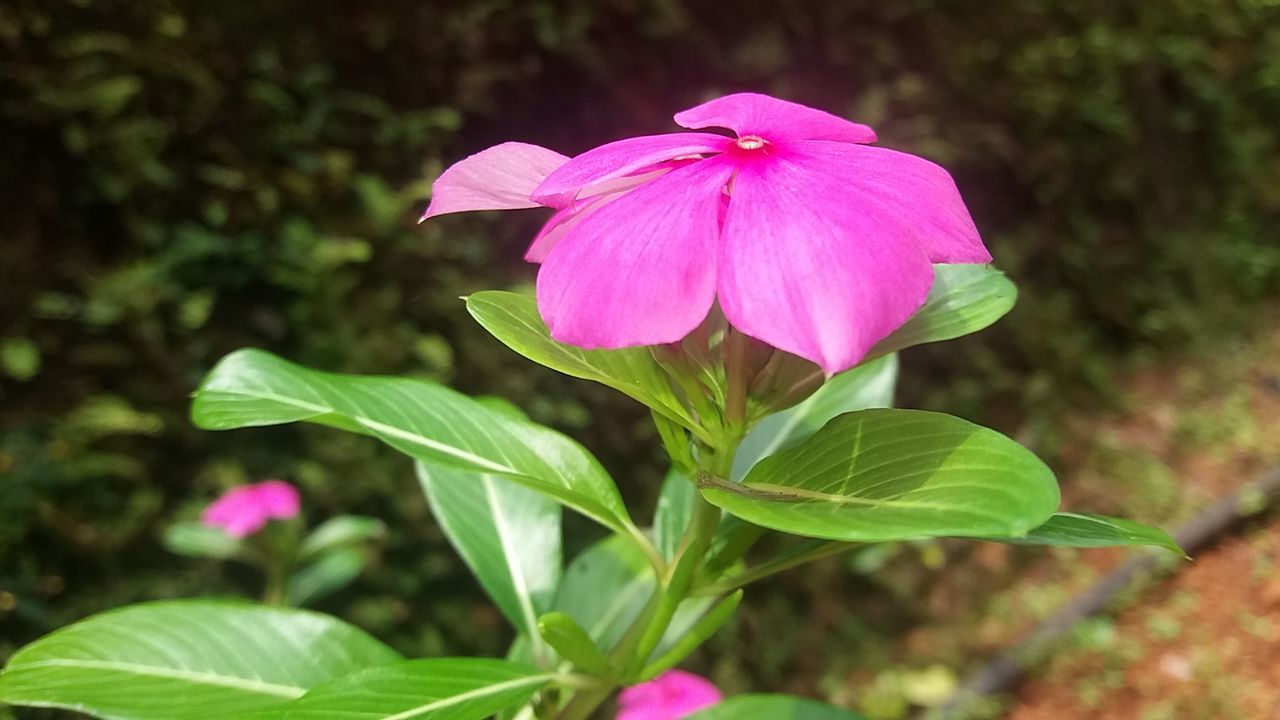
[500, 178]
[640, 271]
[910, 187]
[773, 119]
[621, 158]
[807, 266]
[568, 217]
[564, 220]
[278, 499]
[672, 695]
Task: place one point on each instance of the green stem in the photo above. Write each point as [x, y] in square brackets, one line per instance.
[802, 555]
[675, 587]
[277, 572]
[736, 381]
[584, 703]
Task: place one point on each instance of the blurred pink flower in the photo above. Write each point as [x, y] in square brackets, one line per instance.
[811, 240]
[670, 696]
[245, 510]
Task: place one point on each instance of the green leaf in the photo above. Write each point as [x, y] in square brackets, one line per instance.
[186, 659]
[675, 507]
[513, 319]
[195, 540]
[431, 689]
[1079, 530]
[339, 533]
[507, 534]
[964, 299]
[773, 707]
[607, 585]
[573, 643]
[325, 576]
[428, 422]
[869, 385]
[884, 475]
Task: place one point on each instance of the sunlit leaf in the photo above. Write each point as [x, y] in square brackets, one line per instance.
[431, 689]
[507, 534]
[964, 299]
[883, 475]
[429, 422]
[513, 319]
[1068, 529]
[187, 659]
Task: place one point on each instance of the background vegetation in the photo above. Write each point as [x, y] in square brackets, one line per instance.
[179, 179]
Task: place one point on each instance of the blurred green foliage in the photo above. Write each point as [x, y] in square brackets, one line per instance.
[178, 179]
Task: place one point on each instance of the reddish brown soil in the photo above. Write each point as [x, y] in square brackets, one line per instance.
[1205, 643]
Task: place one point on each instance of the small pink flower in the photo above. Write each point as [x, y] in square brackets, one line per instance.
[245, 510]
[670, 696]
[811, 240]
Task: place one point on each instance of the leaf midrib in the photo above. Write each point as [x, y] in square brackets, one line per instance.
[291, 692]
[480, 692]
[377, 427]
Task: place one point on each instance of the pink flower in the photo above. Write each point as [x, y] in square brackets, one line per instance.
[245, 510]
[811, 240]
[670, 696]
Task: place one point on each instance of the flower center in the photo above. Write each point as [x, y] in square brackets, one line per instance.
[751, 142]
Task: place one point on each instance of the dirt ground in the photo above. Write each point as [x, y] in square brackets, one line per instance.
[1199, 642]
[1204, 643]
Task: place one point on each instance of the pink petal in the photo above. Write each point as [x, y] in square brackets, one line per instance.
[672, 695]
[812, 268]
[773, 119]
[234, 503]
[910, 187]
[621, 158]
[278, 499]
[499, 178]
[640, 270]
[244, 525]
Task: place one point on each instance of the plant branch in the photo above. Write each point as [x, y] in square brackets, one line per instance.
[800, 556]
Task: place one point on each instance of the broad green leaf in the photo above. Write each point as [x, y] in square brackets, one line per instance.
[964, 299]
[773, 707]
[324, 576]
[884, 475]
[1068, 529]
[869, 385]
[607, 585]
[675, 507]
[186, 659]
[431, 689]
[341, 532]
[572, 642]
[513, 319]
[195, 540]
[507, 534]
[429, 422]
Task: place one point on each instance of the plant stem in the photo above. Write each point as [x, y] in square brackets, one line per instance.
[675, 587]
[276, 571]
[786, 561]
[736, 381]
